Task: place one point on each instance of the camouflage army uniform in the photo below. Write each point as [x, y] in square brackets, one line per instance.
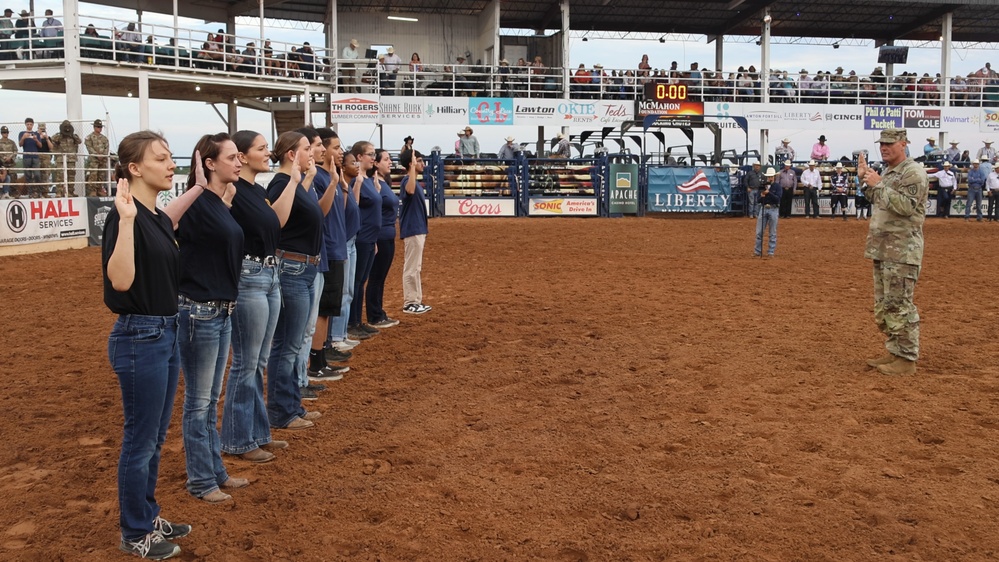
[97, 163]
[895, 243]
[66, 145]
[8, 156]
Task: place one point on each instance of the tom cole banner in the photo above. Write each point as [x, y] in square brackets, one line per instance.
[688, 190]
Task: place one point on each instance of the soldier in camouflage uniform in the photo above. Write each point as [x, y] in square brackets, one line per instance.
[44, 160]
[67, 145]
[97, 163]
[8, 155]
[895, 243]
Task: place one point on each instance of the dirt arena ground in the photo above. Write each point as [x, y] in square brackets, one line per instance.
[584, 389]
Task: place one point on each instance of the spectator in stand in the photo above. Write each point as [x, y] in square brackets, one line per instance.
[992, 183]
[820, 150]
[784, 152]
[6, 32]
[509, 150]
[986, 153]
[51, 28]
[770, 201]
[976, 182]
[562, 149]
[839, 183]
[958, 90]
[931, 146]
[413, 231]
[953, 154]
[392, 64]
[350, 82]
[45, 158]
[4, 182]
[811, 181]
[8, 151]
[251, 63]
[129, 43]
[581, 81]
[468, 145]
[753, 181]
[307, 61]
[643, 70]
[788, 180]
[946, 184]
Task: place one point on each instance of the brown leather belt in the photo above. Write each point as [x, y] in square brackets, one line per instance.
[295, 256]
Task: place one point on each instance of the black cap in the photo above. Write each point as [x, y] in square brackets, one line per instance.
[4, 129]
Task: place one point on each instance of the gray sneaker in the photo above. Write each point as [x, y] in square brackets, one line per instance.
[386, 323]
[170, 531]
[152, 546]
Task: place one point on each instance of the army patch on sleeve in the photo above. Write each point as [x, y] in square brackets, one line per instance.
[912, 189]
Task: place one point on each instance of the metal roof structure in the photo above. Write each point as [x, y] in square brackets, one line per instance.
[879, 20]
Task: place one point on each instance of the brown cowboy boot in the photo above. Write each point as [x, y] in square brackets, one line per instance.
[900, 366]
[887, 358]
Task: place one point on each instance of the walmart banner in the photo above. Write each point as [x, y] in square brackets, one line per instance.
[688, 190]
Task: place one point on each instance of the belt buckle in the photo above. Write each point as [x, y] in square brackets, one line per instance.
[270, 261]
[230, 306]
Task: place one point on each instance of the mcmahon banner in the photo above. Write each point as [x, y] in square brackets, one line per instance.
[688, 190]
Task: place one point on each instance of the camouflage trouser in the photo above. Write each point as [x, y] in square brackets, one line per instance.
[69, 163]
[894, 311]
[44, 165]
[97, 178]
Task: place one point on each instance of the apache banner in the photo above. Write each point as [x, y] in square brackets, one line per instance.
[688, 190]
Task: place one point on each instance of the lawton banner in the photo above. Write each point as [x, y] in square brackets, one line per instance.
[29, 221]
[688, 190]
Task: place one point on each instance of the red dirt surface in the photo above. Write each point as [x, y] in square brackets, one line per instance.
[584, 389]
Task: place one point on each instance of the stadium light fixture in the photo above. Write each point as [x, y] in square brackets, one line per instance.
[402, 18]
[197, 87]
[130, 93]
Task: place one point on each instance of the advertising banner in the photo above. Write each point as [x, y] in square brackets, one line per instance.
[479, 207]
[990, 120]
[29, 221]
[688, 190]
[623, 188]
[399, 110]
[97, 211]
[445, 111]
[354, 108]
[490, 111]
[563, 206]
[878, 117]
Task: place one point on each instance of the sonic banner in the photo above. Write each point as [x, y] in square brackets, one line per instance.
[688, 190]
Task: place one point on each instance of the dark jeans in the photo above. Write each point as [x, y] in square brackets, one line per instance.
[786, 200]
[812, 199]
[943, 203]
[993, 213]
[375, 293]
[365, 258]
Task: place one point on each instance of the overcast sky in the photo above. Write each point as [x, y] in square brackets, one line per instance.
[184, 122]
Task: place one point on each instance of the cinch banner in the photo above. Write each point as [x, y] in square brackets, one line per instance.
[688, 190]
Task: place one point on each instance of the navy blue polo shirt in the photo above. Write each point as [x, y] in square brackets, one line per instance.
[390, 212]
[370, 206]
[334, 235]
[351, 216]
[413, 219]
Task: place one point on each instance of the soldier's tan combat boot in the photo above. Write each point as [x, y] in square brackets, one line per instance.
[900, 366]
[887, 358]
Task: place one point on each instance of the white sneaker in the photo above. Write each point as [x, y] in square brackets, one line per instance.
[345, 345]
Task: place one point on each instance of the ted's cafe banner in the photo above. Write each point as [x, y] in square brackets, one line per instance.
[688, 190]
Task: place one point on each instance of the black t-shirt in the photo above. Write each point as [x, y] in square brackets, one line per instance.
[157, 265]
[211, 250]
[261, 227]
[303, 233]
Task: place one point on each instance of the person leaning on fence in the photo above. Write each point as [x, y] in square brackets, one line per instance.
[67, 145]
[97, 161]
[770, 202]
[976, 182]
[839, 183]
[895, 243]
[753, 182]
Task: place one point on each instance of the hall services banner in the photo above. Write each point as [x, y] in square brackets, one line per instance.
[30, 221]
[688, 190]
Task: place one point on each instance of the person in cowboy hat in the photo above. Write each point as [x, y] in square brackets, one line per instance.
[986, 153]
[509, 150]
[407, 144]
[468, 144]
[953, 154]
[784, 152]
[820, 150]
[931, 145]
[770, 201]
[562, 147]
[350, 77]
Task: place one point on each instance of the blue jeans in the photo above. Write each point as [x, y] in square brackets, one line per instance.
[375, 292]
[768, 221]
[365, 257]
[338, 324]
[32, 165]
[143, 353]
[204, 335]
[302, 362]
[245, 426]
[284, 398]
[753, 196]
[974, 195]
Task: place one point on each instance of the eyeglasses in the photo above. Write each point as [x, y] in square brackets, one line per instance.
[371, 154]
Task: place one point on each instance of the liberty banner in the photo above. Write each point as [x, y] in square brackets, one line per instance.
[688, 190]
